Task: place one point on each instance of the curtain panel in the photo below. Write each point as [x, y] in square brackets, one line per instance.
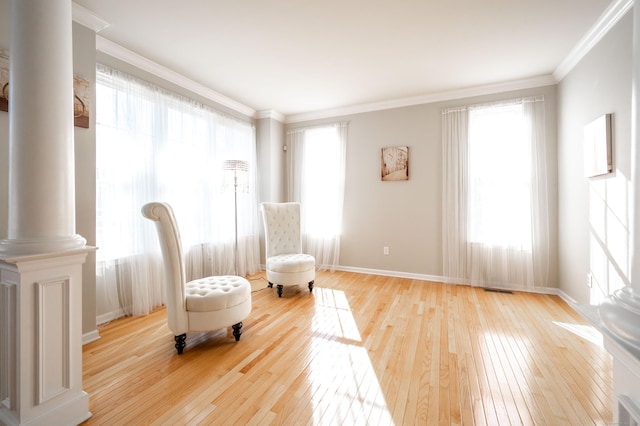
[482, 262]
[316, 179]
[154, 145]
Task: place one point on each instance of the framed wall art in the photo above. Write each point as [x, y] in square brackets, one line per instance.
[394, 164]
[597, 147]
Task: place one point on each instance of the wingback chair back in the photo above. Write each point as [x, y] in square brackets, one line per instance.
[285, 262]
[282, 228]
[175, 277]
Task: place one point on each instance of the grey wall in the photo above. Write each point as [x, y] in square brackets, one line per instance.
[271, 165]
[84, 65]
[594, 213]
[406, 216]
[271, 160]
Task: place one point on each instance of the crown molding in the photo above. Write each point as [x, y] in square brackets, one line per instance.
[269, 113]
[545, 80]
[113, 49]
[607, 20]
[85, 17]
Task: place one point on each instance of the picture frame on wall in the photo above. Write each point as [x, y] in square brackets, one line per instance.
[598, 158]
[394, 163]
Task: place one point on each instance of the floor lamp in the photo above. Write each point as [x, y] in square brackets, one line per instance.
[237, 167]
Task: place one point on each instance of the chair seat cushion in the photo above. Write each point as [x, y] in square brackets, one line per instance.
[291, 263]
[216, 293]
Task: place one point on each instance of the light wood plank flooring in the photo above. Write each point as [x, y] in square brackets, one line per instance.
[361, 349]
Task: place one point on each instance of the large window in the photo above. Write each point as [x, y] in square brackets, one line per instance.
[499, 177]
[316, 180]
[153, 145]
[495, 206]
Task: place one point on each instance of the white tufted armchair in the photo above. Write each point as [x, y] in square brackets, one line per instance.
[285, 262]
[205, 304]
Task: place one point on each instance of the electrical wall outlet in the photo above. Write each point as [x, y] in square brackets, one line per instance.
[385, 250]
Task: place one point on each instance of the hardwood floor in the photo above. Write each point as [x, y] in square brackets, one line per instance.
[361, 349]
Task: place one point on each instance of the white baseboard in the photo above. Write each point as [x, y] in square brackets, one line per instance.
[110, 316]
[568, 299]
[89, 337]
[447, 280]
[395, 274]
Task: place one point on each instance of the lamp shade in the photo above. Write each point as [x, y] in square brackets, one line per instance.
[236, 165]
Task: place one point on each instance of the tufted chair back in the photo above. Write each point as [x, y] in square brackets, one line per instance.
[285, 262]
[175, 277]
[281, 228]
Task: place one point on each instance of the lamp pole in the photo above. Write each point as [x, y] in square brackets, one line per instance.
[235, 166]
[235, 219]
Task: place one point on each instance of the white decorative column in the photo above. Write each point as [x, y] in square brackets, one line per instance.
[619, 315]
[41, 259]
[41, 181]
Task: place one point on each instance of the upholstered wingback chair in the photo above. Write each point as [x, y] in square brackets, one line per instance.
[285, 262]
[205, 304]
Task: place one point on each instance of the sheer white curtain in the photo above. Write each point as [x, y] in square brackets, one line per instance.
[316, 179]
[495, 201]
[153, 145]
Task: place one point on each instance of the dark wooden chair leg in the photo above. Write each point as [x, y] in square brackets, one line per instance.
[237, 330]
[180, 342]
[270, 285]
[311, 286]
[280, 288]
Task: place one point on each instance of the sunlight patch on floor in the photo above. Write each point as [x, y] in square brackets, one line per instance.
[587, 332]
[345, 387]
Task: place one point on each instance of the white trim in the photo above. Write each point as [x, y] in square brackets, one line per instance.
[445, 280]
[110, 316]
[607, 20]
[113, 49]
[84, 16]
[395, 274]
[269, 113]
[568, 300]
[632, 410]
[89, 337]
[540, 81]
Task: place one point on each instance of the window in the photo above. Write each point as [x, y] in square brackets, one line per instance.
[322, 178]
[153, 145]
[499, 177]
[494, 195]
[316, 180]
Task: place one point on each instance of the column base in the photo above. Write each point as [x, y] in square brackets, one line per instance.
[41, 339]
[619, 317]
[73, 412]
[27, 246]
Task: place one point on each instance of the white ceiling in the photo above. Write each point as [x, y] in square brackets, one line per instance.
[301, 56]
